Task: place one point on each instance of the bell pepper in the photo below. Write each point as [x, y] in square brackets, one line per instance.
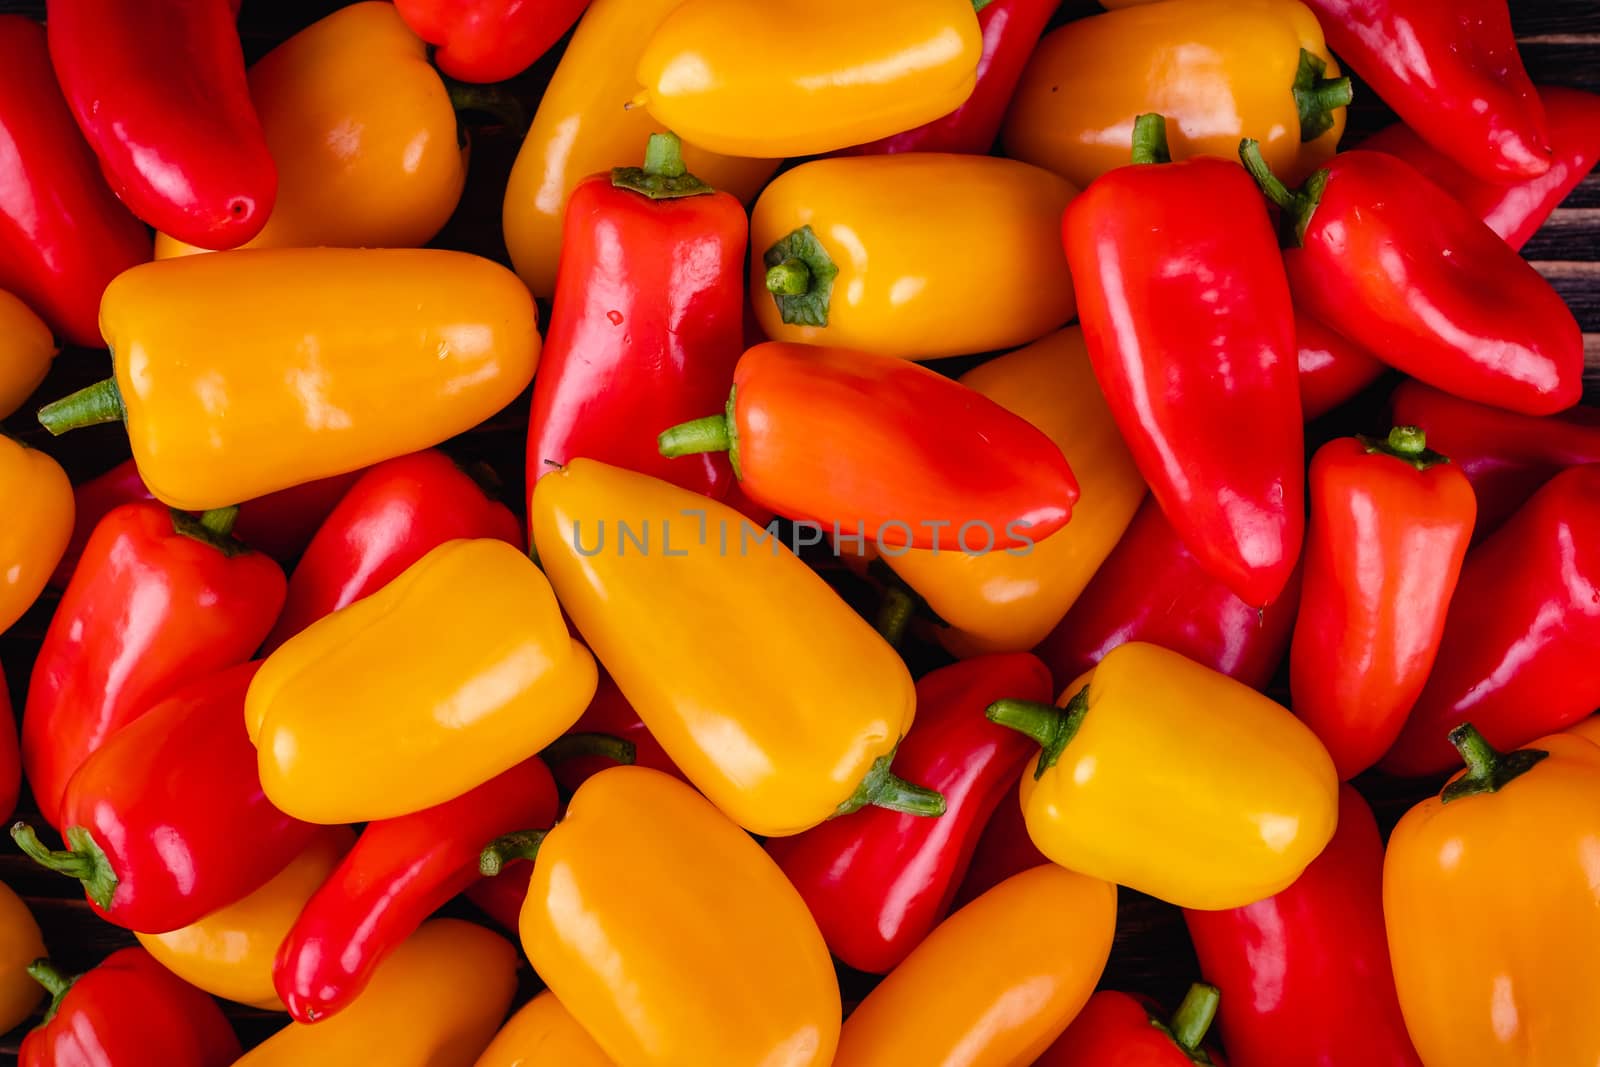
[229, 952]
[1308, 969]
[639, 339]
[20, 944]
[779, 743]
[1166, 777]
[394, 514]
[1390, 523]
[718, 72]
[878, 881]
[436, 1002]
[1004, 849]
[489, 40]
[1223, 453]
[158, 600]
[63, 233]
[1392, 262]
[542, 1031]
[36, 531]
[718, 963]
[946, 466]
[996, 983]
[1332, 369]
[857, 253]
[581, 129]
[28, 349]
[1006, 602]
[338, 358]
[1218, 70]
[128, 1010]
[377, 711]
[1130, 1031]
[1517, 657]
[608, 713]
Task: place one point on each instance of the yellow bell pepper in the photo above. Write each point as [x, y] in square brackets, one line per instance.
[363, 132]
[916, 255]
[1004, 602]
[684, 600]
[1169, 778]
[243, 373]
[760, 79]
[457, 670]
[995, 983]
[669, 934]
[543, 1032]
[20, 944]
[581, 128]
[28, 350]
[37, 528]
[230, 952]
[1220, 70]
[435, 1002]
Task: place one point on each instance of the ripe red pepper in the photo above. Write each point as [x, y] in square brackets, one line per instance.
[167, 822]
[128, 1012]
[1128, 1031]
[489, 40]
[1004, 849]
[1390, 524]
[396, 512]
[501, 897]
[1387, 258]
[878, 881]
[158, 600]
[1308, 969]
[1222, 450]
[10, 753]
[1332, 369]
[1451, 71]
[159, 91]
[648, 321]
[608, 713]
[1518, 655]
[63, 233]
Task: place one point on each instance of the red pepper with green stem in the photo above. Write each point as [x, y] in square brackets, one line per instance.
[1128, 1031]
[489, 40]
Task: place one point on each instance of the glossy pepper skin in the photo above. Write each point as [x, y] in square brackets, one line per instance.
[63, 233]
[489, 40]
[1390, 524]
[1169, 778]
[1004, 850]
[996, 983]
[337, 358]
[20, 944]
[26, 349]
[1332, 368]
[396, 512]
[880, 447]
[1297, 968]
[542, 1031]
[157, 601]
[1128, 1031]
[878, 881]
[1518, 651]
[648, 320]
[34, 537]
[863, 253]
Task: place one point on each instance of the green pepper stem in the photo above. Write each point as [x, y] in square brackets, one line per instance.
[797, 305]
[82, 859]
[1298, 204]
[979, 5]
[1488, 770]
[214, 528]
[882, 788]
[572, 746]
[1408, 444]
[220, 520]
[1316, 97]
[789, 278]
[89, 406]
[521, 845]
[710, 434]
[664, 175]
[663, 156]
[1052, 727]
[1150, 139]
[55, 983]
[492, 100]
[1194, 1016]
[894, 615]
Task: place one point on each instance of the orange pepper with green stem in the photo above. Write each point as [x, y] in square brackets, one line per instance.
[36, 531]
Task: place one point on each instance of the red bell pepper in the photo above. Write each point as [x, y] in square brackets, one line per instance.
[1127, 1031]
[878, 881]
[128, 1012]
[395, 513]
[1332, 369]
[1308, 970]
[489, 40]
[159, 91]
[167, 822]
[883, 448]
[63, 233]
[10, 753]
[1004, 849]
[638, 341]
[1189, 327]
[158, 600]
[1450, 70]
[1387, 258]
[608, 713]
[1390, 523]
[1518, 655]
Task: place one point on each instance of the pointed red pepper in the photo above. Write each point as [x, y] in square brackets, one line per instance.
[1129, 1031]
[489, 40]
[1004, 849]
[1332, 368]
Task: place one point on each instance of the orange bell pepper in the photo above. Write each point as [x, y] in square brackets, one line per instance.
[37, 527]
[20, 944]
[26, 349]
[542, 1031]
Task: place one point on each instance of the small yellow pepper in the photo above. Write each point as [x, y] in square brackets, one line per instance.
[28, 350]
[1169, 778]
[435, 1002]
[243, 373]
[37, 528]
[765, 80]
[20, 944]
[543, 1032]
[457, 670]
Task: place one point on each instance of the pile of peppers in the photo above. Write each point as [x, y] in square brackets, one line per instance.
[799, 694]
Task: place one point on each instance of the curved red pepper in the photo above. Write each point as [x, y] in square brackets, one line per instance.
[1390, 523]
[156, 601]
[1518, 655]
[501, 897]
[128, 1012]
[878, 881]
[159, 91]
[489, 40]
[608, 713]
[1188, 323]
[1308, 969]
[395, 513]
[63, 233]
[1127, 1031]
[647, 325]
[1004, 849]
[10, 753]
[1332, 368]
[1451, 71]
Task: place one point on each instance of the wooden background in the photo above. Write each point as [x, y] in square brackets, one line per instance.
[1561, 44]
